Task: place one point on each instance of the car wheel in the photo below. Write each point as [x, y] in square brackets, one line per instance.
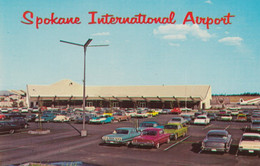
[157, 145]
[11, 131]
[168, 140]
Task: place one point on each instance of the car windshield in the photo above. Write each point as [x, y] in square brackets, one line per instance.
[120, 131]
[146, 125]
[117, 114]
[171, 127]
[217, 135]
[250, 138]
[149, 132]
[140, 112]
[201, 117]
[176, 119]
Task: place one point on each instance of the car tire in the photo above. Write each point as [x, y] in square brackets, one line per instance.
[11, 131]
[157, 145]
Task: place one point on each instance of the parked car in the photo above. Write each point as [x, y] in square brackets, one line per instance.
[20, 121]
[241, 118]
[165, 111]
[15, 109]
[142, 114]
[2, 116]
[250, 142]
[152, 113]
[178, 119]
[131, 112]
[14, 114]
[217, 141]
[222, 112]
[187, 118]
[123, 135]
[35, 110]
[175, 130]
[153, 137]
[4, 110]
[255, 112]
[102, 119]
[255, 125]
[8, 127]
[31, 118]
[61, 118]
[120, 116]
[176, 110]
[46, 117]
[202, 119]
[88, 116]
[225, 117]
[255, 117]
[149, 124]
[246, 112]
[24, 110]
[212, 116]
[234, 112]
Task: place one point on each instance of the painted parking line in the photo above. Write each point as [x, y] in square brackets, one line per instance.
[227, 127]
[207, 127]
[176, 143]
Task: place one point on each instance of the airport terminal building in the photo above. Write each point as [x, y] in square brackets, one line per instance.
[67, 93]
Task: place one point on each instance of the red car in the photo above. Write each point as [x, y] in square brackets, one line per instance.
[176, 111]
[2, 116]
[151, 137]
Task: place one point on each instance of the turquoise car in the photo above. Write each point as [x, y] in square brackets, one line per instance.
[102, 119]
[122, 135]
[149, 124]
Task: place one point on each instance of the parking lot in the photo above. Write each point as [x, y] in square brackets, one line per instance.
[65, 144]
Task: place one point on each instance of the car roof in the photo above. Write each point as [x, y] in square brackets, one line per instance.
[173, 124]
[218, 131]
[251, 134]
[151, 128]
[125, 128]
[149, 122]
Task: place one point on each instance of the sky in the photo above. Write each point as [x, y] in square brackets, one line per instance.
[226, 57]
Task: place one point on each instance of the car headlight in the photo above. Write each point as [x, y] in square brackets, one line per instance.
[105, 138]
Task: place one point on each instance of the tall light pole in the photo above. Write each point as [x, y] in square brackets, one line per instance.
[84, 131]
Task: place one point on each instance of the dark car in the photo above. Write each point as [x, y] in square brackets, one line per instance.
[8, 127]
[14, 114]
[217, 141]
[212, 116]
[31, 118]
[20, 121]
[88, 116]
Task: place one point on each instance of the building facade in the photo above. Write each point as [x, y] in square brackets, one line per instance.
[67, 93]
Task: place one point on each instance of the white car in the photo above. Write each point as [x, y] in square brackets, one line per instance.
[61, 118]
[202, 119]
[24, 110]
[250, 142]
[178, 119]
[35, 109]
[142, 114]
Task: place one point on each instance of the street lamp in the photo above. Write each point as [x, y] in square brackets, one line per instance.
[84, 131]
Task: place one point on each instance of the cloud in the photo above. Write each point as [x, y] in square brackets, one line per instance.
[208, 1]
[175, 44]
[181, 32]
[101, 34]
[234, 41]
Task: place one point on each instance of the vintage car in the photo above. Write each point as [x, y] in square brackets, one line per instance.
[255, 112]
[61, 118]
[241, 118]
[31, 118]
[142, 114]
[8, 127]
[20, 121]
[4, 110]
[108, 112]
[152, 113]
[255, 117]
[175, 130]
[2, 116]
[14, 114]
[187, 118]
[165, 111]
[202, 120]
[120, 116]
[217, 141]
[234, 112]
[46, 117]
[102, 119]
[88, 116]
[255, 125]
[178, 119]
[212, 116]
[176, 110]
[222, 112]
[149, 124]
[153, 137]
[24, 110]
[35, 110]
[131, 112]
[250, 142]
[123, 135]
[225, 117]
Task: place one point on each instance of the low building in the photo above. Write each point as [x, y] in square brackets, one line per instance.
[69, 93]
